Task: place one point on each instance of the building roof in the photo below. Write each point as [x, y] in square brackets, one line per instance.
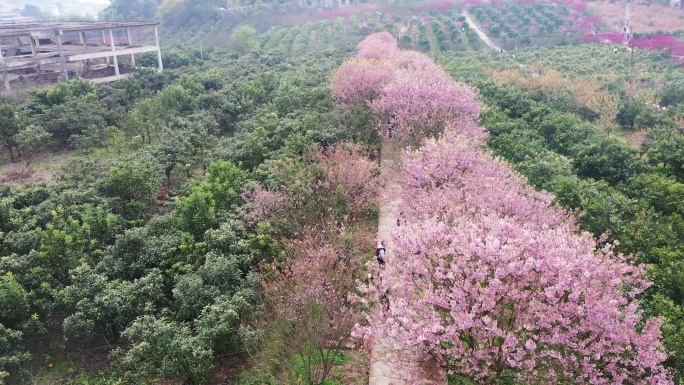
[52, 27]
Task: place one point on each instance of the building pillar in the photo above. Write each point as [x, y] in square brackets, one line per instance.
[84, 42]
[58, 34]
[111, 44]
[104, 42]
[159, 57]
[32, 40]
[130, 45]
[5, 72]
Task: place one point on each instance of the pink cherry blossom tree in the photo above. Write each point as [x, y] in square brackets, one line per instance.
[409, 95]
[489, 279]
[421, 100]
[492, 281]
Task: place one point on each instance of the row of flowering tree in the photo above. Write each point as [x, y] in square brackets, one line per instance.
[489, 279]
[314, 206]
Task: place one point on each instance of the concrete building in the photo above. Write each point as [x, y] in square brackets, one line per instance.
[34, 51]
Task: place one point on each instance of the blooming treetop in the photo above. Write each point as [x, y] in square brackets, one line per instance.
[488, 277]
[495, 282]
[407, 92]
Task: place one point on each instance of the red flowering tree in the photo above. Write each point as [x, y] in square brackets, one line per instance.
[310, 290]
[315, 205]
[336, 183]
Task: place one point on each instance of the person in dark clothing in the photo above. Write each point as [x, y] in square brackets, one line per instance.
[380, 253]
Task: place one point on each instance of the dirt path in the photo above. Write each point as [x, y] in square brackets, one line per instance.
[386, 352]
[384, 349]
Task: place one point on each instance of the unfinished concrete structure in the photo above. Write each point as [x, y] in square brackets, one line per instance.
[99, 51]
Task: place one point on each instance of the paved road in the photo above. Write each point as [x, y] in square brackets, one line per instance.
[481, 34]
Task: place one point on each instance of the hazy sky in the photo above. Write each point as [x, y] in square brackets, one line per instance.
[80, 7]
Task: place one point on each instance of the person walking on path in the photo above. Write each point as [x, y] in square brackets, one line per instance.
[380, 253]
[401, 220]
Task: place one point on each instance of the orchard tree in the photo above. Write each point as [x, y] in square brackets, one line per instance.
[665, 145]
[30, 141]
[173, 149]
[244, 39]
[132, 187]
[74, 117]
[605, 105]
[9, 125]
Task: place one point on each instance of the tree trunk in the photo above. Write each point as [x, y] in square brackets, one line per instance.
[11, 151]
[167, 172]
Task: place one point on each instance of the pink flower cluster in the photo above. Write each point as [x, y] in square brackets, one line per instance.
[493, 280]
[407, 92]
[470, 3]
[345, 13]
[577, 5]
[440, 5]
[655, 42]
[488, 278]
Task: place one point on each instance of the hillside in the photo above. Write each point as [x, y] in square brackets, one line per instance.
[215, 223]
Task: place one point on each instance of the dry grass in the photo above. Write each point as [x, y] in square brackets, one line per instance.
[46, 166]
[42, 169]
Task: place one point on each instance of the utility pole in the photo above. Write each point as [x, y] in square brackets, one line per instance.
[631, 60]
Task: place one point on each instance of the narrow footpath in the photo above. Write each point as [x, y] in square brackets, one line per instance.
[488, 42]
[385, 351]
[479, 32]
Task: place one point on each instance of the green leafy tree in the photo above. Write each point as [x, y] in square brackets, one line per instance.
[115, 138]
[14, 303]
[163, 349]
[132, 186]
[30, 141]
[221, 188]
[173, 149]
[197, 212]
[77, 87]
[79, 117]
[244, 39]
[11, 358]
[200, 130]
[131, 10]
[105, 308]
[665, 146]
[608, 159]
[9, 125]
